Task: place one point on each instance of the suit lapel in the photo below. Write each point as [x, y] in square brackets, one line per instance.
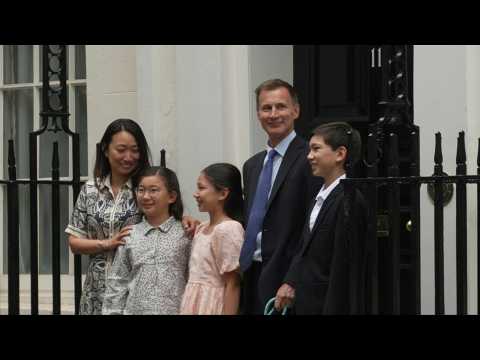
[293, 152]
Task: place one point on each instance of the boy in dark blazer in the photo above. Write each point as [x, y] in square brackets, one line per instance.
[323, 270]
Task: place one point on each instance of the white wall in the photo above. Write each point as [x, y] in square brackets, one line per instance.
[446, 93]
[472, 143]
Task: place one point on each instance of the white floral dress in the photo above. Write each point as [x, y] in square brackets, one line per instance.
[149, 272]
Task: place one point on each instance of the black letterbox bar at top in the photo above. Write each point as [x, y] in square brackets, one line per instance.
[438, 230]
[55, 231]
[13, 229]
[461, 227]
[415, 217]
[478, 230]
[372, 200]
[394, 212]
[33, 225]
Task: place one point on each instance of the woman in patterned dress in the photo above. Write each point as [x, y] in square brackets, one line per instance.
[106, 207]
[149, 272]
[213, 286]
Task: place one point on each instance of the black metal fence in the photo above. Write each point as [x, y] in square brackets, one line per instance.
[54, 117]
[441, 184]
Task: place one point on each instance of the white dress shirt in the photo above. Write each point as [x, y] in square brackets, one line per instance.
[320, 199]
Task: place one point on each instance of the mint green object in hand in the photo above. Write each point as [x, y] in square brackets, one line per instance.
[269, 308]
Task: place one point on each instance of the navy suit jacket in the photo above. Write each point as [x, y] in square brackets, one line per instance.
[292, 190]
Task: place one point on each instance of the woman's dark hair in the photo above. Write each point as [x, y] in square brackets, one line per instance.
[226, 176]
[102, 165]
[171, 183]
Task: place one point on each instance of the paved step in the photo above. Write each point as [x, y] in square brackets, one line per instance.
[44, 303]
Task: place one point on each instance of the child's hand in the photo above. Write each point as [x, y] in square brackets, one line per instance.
[117, 240]
[190, 224]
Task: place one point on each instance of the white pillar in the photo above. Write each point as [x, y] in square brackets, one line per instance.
[236, 104]
[199, 115]
[111, 90]
[156, 96]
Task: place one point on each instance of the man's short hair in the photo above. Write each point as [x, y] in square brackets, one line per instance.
[274, 84]
[335, 134]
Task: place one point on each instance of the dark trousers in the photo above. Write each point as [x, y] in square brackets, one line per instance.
[251, 304]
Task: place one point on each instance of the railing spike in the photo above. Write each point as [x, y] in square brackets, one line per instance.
[162, 158]
[478, 154]
[461, 153]
[438, 158]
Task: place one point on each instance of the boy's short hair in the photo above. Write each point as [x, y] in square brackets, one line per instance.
[335, 134]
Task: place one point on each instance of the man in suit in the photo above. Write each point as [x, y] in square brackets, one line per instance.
[327, 271]
[278, 185]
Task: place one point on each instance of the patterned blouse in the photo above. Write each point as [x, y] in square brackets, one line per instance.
[149, 272]
[99, 215]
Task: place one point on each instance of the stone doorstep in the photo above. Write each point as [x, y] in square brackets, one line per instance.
[44, 303]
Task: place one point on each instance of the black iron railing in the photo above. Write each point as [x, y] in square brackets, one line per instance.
[54, 117]
[371, 188]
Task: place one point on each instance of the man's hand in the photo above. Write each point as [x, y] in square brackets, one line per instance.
[285, 296]
[190, 224]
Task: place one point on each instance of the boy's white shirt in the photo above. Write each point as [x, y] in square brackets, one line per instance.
[321, 197]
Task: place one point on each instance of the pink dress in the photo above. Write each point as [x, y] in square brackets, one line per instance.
[212, 256]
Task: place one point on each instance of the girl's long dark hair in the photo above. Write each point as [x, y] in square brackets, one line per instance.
[227, 176]
[171, 183]
[102, 166]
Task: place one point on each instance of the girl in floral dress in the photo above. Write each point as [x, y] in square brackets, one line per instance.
[213, 286]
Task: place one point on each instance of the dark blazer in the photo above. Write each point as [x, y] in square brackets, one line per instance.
[326, 265]
[292, 190]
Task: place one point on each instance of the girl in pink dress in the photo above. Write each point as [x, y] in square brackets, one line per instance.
[213, 286]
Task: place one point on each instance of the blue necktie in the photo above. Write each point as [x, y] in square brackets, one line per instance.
[257, 213]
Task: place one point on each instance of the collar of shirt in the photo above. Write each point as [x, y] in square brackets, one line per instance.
[108, 184]
[165, 227]
[324, 192]
[282, 147]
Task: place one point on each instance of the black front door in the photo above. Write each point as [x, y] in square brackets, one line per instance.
[347, 83]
